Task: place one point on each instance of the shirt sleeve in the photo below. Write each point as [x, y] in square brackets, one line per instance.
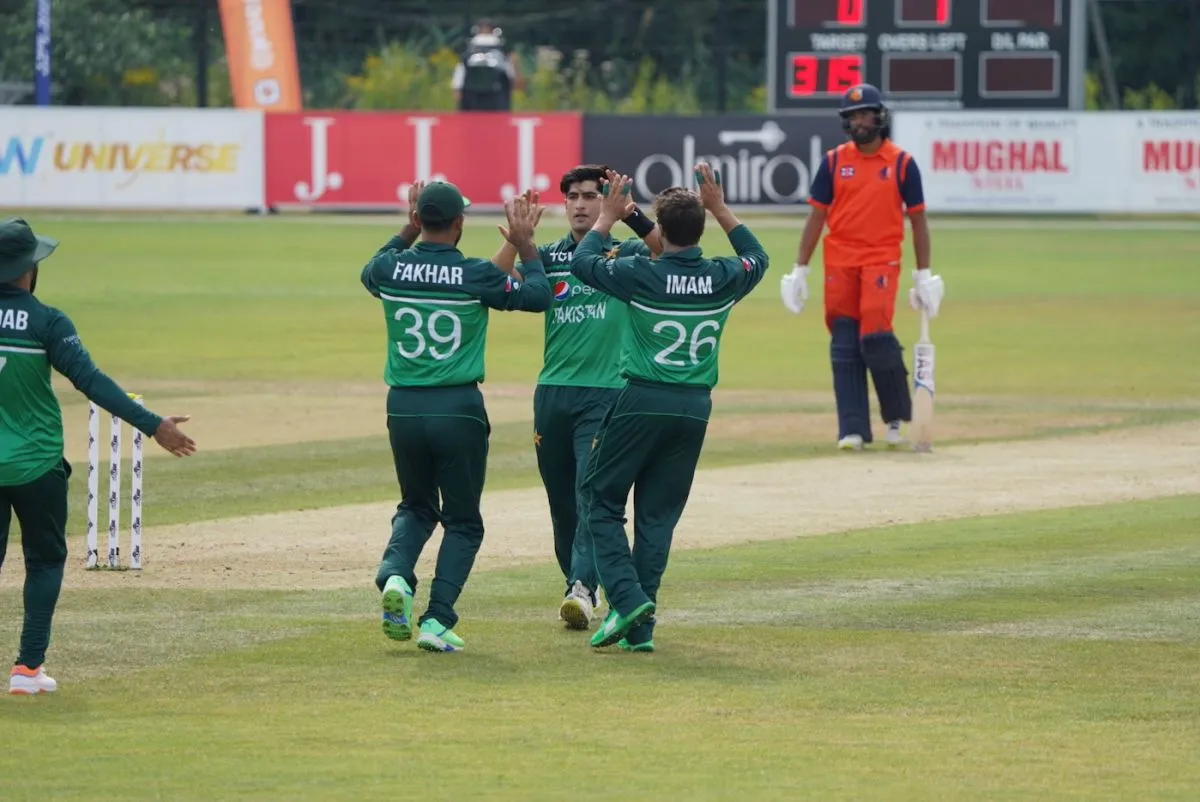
[68, 356]
[633, 247]
[383, 257]
[751, 260]
[820, 194]
[912, 192]
[613, 276]
[501, 291]
[456, 80]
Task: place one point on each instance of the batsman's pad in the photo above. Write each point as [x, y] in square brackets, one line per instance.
[849, 379]
[885, 359]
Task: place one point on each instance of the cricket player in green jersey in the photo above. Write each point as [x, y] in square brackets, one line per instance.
[580, 378]
[33, 472]
[652, 435]
[435, 304]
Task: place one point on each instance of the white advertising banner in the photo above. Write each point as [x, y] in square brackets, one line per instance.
[1031, 162]
[1162, 156]
[121, 158]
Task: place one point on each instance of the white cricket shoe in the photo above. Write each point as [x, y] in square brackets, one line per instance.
[893, 437]
[577, 607]
[27, 682]
[851, 442]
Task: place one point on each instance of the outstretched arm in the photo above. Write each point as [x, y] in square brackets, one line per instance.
[66, 354]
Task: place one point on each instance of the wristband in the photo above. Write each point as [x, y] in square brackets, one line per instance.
[639, 222]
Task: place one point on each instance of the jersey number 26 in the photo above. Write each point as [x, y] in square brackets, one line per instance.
[680, 332]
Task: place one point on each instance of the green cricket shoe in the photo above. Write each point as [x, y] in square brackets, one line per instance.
[615, 625]
[397, 609]
[626, 646]
[437, 638]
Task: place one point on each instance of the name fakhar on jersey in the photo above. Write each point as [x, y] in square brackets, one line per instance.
[16, 319]
[689, 285]
[428, 274]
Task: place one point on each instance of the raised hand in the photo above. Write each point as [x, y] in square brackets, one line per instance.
[532, 198]
[522, 218]
[709, 186]
[414, 192]
[617, 202]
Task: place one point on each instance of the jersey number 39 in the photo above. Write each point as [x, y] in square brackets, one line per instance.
[680, 332]
[441, 344]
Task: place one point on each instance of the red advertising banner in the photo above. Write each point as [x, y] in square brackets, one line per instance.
[369, 159]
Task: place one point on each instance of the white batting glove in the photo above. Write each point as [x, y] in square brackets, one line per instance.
[793, 288]
[928, 292]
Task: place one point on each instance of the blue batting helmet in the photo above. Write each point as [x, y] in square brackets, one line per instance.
[865, 96]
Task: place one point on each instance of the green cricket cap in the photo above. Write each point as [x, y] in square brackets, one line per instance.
[21, 249]
[440, 202]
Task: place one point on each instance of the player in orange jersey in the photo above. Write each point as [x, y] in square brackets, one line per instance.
[862, 190]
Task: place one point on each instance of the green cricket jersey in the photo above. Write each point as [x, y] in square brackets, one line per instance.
[436, 302]
[678, 304]
[584, 327]
[33, 339]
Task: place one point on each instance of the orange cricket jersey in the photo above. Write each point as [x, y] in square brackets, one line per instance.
[866, 198]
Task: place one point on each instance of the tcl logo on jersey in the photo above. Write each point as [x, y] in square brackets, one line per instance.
[371, 160]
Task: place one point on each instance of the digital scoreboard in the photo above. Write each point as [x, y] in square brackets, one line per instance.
[927, 54]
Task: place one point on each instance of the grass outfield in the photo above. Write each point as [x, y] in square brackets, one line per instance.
[245, 323]
[1039, 655]
[1046, 656]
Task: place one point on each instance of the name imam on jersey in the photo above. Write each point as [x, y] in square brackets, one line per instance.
[429, 274]
[689, 285]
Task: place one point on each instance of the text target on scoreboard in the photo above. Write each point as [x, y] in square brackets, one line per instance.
[927, 54]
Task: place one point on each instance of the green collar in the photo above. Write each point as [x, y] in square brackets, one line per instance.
[569, 240]
[422, 245]
[693, 253]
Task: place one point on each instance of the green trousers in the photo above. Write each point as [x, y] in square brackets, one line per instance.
[565, 422]
[41, 508]
[439, 438]
[650, 442]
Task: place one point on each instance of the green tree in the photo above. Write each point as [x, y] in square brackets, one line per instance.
[105, 52]
[400, 77]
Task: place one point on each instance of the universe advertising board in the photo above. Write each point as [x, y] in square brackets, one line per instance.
[130, 158]
[1118, 162]
[763, 161]
[370, 159]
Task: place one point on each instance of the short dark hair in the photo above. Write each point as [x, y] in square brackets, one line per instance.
[584, 172]
[436, 226]
[681, 216]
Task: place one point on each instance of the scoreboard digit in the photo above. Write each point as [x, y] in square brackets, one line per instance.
[826, 75]
[931, 54]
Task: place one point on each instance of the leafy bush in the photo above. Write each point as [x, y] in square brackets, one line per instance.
[399, 76]
[106, 53]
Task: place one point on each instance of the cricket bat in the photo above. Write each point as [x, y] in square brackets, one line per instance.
[921, 430]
